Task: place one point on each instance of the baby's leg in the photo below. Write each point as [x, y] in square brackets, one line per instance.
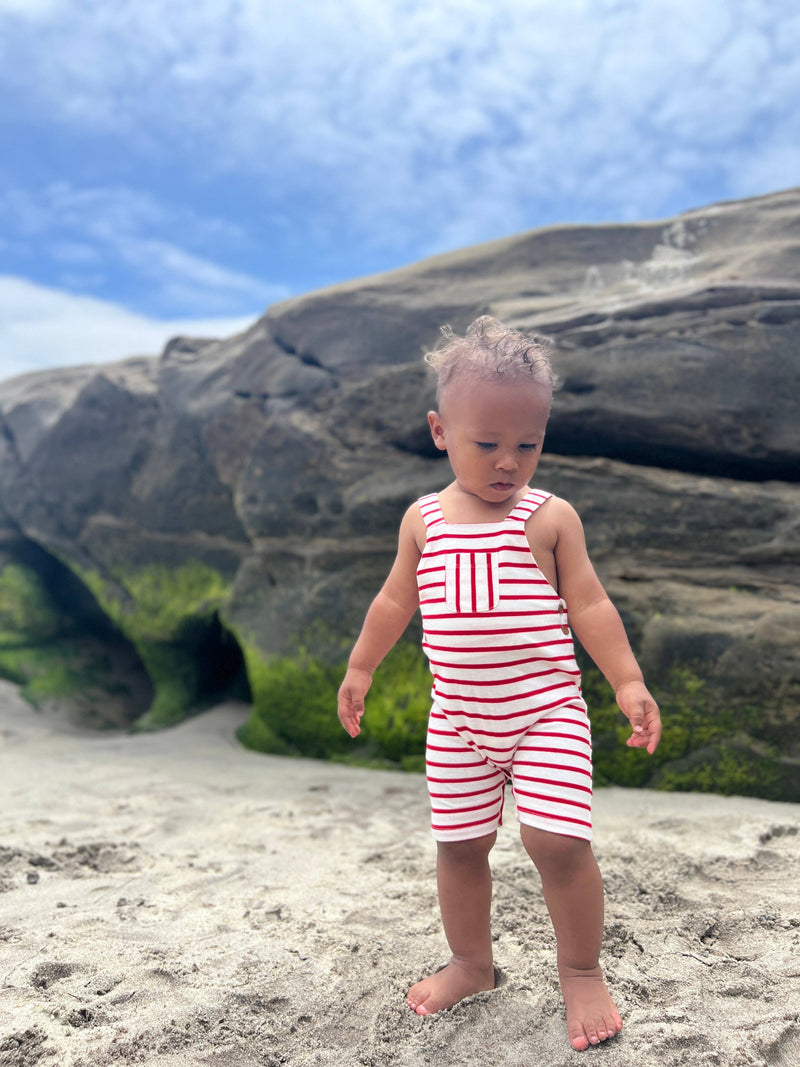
[465, 899]
[573, 891]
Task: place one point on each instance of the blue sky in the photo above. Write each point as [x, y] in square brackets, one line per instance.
[176, 167]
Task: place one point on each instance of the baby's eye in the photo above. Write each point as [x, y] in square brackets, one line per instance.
[528, 447]
[487, 446]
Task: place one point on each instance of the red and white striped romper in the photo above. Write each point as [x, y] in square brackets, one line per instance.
[506, 691]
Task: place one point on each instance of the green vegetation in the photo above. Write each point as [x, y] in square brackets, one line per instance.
[26, 610]
[294, 708]
[161, 599]
[164, 612]
[706, 744]
[705, 747]
[32, 651]
[39, 649]
[43, 671]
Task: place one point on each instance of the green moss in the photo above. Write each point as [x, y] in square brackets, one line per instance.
[396, 717]
[294, 708]
[727, 770]
[162, 598]
[294, 702]
[174, 670]
[36, 651]
[52, 669]
[705, 744]
[256, 734]
[164, 614]
[27, 613]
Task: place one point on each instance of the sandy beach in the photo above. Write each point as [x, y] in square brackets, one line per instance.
[173, 899]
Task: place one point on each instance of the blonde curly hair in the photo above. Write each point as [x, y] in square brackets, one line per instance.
[490, 351]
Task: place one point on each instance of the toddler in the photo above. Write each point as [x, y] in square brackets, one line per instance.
[501, 575]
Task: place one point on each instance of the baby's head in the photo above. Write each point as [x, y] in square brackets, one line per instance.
[489, 352]
[494, 395]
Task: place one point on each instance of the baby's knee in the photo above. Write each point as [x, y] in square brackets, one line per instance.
[474, 850]
[550, 850]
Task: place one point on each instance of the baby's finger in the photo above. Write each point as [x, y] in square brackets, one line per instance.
[350, 711]
[654, 733]
[636, 719]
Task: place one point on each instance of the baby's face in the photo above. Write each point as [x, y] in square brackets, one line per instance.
[493, 434]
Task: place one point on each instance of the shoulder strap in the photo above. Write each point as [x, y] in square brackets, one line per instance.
[530, 503]
[431, 511]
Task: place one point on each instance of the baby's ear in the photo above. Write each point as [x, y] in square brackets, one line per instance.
[437, 430]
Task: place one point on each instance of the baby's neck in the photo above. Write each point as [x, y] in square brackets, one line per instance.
[460, 507]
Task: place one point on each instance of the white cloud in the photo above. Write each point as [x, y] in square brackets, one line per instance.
[103, 230]
[448, 118]
[42, 327]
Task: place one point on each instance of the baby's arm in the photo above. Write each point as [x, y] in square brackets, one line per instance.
[388, 616]
[597, 625]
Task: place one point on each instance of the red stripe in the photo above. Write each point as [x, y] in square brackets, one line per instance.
[449, 535]
[492, 666]
[474, 728]
[461, 811]
[454, 709]
[497, 631]
[570, 803]
[549, 781]
[497, 648]
[489, 583]
[554, 766]
[496, 614]
[465, 825]
[461, 766]
[555, 800]
[555, 752]
[504, 700]
[475, 792]
[450, 748]
[549, 815]
[426, 555]
[502, 681]
[557, 734]
[447, 781]
[524, 581]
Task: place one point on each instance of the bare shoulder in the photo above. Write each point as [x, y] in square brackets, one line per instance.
[555, 520]
[412, 529]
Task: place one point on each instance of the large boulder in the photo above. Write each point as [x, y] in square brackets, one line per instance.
[254, 485]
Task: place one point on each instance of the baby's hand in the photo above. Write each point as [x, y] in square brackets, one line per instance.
[351, 699]
[642, 711]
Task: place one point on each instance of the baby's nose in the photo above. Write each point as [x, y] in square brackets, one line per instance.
[507, 462]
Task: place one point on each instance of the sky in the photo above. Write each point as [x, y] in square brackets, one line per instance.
[176, 166]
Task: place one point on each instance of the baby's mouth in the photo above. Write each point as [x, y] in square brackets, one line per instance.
[502, 486]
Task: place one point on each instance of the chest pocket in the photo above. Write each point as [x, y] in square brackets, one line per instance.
[471, 581]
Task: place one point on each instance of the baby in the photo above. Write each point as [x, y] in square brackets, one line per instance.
[501, 575]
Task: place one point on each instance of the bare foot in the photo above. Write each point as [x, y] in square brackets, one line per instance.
[449, 985]
[591, 1015]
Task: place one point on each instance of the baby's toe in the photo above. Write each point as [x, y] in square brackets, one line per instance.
[577, 1036]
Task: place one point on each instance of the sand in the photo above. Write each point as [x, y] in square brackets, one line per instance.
[173, 899]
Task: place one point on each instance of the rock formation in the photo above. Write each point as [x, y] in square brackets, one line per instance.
[260, 480]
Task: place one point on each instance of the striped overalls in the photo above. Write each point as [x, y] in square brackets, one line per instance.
[506, 690]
